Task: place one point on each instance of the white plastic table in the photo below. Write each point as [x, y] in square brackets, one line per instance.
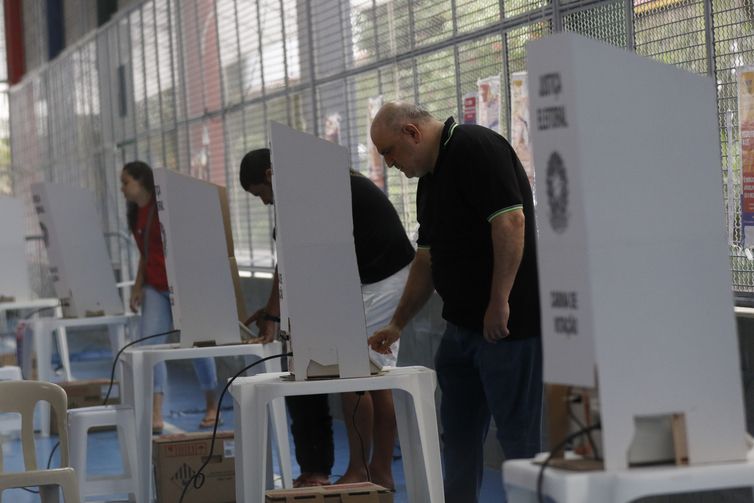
[520, 479]
[414, 397]
[37, 337]
[52, 303]
[138, 374]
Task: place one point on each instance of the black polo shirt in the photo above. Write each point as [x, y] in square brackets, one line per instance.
[477, 178]
[382, 247]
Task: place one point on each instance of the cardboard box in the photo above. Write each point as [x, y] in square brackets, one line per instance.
[8, 359]
[176, 458]
[86, 393]
[225, 209]
[360, 492]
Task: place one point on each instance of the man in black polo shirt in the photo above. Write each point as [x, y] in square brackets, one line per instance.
[477, 240]
[383, 253]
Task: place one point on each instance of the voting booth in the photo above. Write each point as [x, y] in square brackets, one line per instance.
[320, 294]
[199, 260]
[80, 266]
[14, 275]
[632, 252]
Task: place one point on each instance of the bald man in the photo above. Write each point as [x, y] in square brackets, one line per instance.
[477, 248]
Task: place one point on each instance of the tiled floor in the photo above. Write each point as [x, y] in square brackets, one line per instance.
[183, 411]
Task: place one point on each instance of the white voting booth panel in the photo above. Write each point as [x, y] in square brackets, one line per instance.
[320, 293]
[196, 259]
[14, 275]
[80, 266]
[633, 262]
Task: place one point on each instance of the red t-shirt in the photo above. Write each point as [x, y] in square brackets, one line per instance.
[154, 270]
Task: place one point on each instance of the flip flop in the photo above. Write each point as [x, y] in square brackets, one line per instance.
[209, 422]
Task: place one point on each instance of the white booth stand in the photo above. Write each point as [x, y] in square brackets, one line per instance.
[14, 276]
[413, 396]
[322, 312]
[82, 273]
[136, 391]
[634, 270]
[82, 276]
[198, 253]
[621, 486]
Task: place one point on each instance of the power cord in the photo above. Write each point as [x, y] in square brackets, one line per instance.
[361, 440]
[39, 310]
[561, 445]
[52, 452]
[112, 380]
[197, 480]
[574, 400]
[117, 356]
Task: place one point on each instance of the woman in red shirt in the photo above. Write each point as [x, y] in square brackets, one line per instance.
[150, 292]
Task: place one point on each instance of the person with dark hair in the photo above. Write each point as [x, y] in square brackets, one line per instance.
[150, 292]
[383, 253]
[477, 246]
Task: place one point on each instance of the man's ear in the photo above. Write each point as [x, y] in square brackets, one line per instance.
[268, 175]
[412, 131]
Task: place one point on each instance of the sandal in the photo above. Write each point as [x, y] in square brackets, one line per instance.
[157, 429]
[209, 422]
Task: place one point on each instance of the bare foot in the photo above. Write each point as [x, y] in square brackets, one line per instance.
[310, 479]
[386, 482]
[352, 476]
[381, 479]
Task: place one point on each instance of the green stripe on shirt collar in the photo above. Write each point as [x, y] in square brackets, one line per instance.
[505, 210]
[450, 133]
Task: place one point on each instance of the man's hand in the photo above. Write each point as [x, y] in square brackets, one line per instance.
[496, 322]
[383, 338]
[267, 328]
[137, 295]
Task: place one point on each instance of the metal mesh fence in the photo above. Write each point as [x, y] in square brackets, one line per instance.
[191, 85]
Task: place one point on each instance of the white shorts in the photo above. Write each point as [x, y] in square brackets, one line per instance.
[380, 301]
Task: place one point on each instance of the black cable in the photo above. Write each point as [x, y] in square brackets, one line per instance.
[49, 459]
[581, 425]
[39, 310]
[361, 440]
[29, 490]
[197, 480]
[561, 445]
[117, 355]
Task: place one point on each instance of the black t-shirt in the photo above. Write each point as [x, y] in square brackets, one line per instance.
[382, 247]
[477, 177]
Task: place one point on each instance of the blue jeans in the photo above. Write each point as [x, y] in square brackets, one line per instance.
[480, 380]
[156, 317]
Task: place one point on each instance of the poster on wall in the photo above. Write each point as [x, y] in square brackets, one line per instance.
[332, 128]
[488, 102]
[469, 108]
[520, 123]
[374, 159]
[746, 134]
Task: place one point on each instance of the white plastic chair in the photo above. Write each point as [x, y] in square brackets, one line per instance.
[80, 421]
[21, 397]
